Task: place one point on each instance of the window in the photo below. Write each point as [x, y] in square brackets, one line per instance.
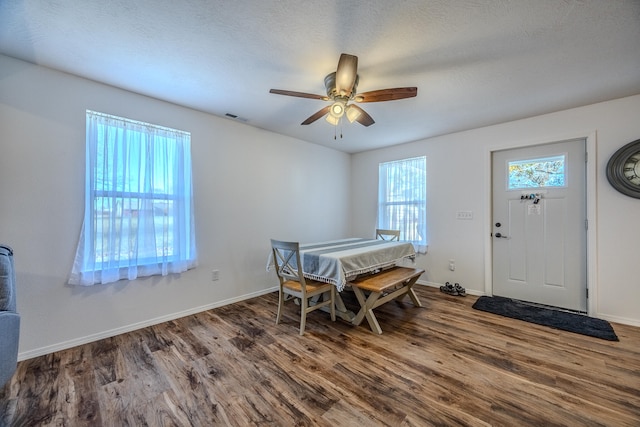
[402, 199]
[139, 218]
[536, 173]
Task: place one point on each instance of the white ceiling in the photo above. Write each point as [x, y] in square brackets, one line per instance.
[475, 62]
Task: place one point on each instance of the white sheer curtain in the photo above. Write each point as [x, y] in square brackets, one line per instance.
[139, 217]
[402, 199]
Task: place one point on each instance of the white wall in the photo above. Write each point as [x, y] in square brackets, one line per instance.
[458, 167]
[250, 185]
[42, 125]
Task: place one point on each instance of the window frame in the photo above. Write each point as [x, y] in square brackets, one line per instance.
[131, 167]
[418, 225]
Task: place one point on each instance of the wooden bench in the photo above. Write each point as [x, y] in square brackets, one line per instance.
[384, 286]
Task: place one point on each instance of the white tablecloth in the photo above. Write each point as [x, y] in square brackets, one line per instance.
[339, 261]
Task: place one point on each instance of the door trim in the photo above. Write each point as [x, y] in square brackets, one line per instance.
[591, 167]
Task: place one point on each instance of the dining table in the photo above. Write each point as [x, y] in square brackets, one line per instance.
[342, 260]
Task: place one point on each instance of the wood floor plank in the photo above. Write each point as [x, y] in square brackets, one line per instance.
[37, 391]
[443, 364]
[186, 382]
[77, 396]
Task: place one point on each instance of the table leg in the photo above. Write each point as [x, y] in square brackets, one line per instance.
[341, 309]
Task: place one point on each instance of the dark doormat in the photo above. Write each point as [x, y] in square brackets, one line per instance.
[557, 319]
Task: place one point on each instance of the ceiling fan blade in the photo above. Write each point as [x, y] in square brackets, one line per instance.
[316, 115]
[364, 118]
[346, 74]
[387, 94]
[298, 94]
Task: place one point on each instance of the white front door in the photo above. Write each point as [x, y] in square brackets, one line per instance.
[539, 232]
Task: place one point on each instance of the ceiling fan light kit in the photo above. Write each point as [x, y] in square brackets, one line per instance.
[332, 119]
[341, 87]
[352, 113]
[337, 109]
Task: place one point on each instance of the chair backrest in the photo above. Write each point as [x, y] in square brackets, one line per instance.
[286, 257]
[391, 235]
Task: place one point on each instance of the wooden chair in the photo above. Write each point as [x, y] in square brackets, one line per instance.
[390, 235]
[286, 257]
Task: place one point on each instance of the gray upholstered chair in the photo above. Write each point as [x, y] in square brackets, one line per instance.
[9, 318]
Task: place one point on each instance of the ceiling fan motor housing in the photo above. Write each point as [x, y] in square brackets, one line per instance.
[332, 92]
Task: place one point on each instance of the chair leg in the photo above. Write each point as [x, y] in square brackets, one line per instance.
[303, 314]
[280, 304]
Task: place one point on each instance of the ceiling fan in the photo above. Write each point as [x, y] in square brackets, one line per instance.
[341, 88]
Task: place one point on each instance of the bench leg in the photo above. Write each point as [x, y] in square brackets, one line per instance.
[366, 309]
[411, 292]
[367, 305]
[414, 297]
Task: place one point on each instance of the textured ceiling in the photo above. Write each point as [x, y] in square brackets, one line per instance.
[475, 62]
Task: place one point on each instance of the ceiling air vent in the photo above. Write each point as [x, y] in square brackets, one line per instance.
[235, 117]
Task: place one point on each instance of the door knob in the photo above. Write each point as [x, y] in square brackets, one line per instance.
[500, 235]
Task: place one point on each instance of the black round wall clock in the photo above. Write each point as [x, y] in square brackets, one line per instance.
[623, 169]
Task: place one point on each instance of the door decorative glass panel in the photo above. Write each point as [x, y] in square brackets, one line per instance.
[536, 173]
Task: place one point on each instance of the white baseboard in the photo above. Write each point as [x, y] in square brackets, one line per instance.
[616, 319]
[437, 285]
[41, 351]
[134, 326]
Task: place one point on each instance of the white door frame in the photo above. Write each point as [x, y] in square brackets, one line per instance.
[592, 259]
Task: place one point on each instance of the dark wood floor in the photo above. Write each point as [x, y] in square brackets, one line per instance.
[443, 364]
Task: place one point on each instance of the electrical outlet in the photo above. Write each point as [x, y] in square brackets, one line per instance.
[215, 275]
[464, 215]
[452, 264]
